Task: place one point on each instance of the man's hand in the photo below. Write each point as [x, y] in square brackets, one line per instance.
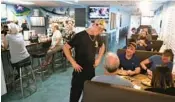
[77, 67]
[130, 72]
[149, 72]
[97, 62]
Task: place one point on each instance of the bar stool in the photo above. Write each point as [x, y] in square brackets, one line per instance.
[22, 65]
[58, 57]
[39, 54]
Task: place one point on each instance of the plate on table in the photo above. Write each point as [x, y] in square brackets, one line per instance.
[122, 73]
[146, 82]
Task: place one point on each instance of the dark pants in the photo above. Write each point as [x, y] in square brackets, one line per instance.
[78, 80]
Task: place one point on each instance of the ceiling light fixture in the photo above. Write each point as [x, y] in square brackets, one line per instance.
[18, 2]
[144, 6]
[65, 1]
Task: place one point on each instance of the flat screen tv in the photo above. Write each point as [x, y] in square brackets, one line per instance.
[98, 12]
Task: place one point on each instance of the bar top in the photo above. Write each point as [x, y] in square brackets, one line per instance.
[28, 44]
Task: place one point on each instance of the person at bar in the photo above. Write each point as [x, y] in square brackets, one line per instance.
[56, 45]
[85, 44]
[157, 60]
[162, 81]
[111, 66]
[129, 63]
[24, 26]
[16, 44]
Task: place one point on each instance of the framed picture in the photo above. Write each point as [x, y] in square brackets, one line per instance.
[113, 21]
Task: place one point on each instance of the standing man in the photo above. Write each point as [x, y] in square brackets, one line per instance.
[85, 44]
[24, 26]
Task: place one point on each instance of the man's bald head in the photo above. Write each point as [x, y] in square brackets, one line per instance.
[112, 62]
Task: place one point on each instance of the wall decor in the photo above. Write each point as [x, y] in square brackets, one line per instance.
[21, 10]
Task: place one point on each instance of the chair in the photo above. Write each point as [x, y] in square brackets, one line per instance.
[101, 92]
[156, 45]
[154, 37]
[39, 54]
[22, 65]
[60, 58]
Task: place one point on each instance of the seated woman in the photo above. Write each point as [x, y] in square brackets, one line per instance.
[157, 60]
[14, 40]
[129, 63]
[143, 44]
[145, 34]
[162, 81]
[56, 45]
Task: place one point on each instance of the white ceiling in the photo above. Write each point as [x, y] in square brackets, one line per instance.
[129, 5]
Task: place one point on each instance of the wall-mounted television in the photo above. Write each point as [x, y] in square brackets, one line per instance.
[37, 21]
[98, 12]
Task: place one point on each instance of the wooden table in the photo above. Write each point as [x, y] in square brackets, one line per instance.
[137, 79]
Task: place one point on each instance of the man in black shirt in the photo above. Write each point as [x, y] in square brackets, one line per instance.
[24, 26]
[85, 44]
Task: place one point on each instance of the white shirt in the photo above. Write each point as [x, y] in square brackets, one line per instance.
[17, 47]
[56, 35]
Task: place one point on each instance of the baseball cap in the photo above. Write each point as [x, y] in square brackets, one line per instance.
[101, 23]
[132, 44]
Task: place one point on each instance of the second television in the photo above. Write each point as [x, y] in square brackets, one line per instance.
[98, 12]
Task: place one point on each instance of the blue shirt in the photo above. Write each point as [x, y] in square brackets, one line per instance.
[156, 61]
[115, 79]
[130, 64]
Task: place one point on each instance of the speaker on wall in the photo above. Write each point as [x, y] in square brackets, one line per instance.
[80, 17]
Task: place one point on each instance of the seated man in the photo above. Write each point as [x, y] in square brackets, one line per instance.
[56, 45]
[129, 63]
[111, 65]
[157, 60]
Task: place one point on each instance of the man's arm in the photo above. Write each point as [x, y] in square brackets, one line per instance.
[144, 63]
[137, 70]
[66, 49]
[5, 42]
[100, 55]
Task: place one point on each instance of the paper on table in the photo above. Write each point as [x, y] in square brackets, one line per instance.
[137, 87]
